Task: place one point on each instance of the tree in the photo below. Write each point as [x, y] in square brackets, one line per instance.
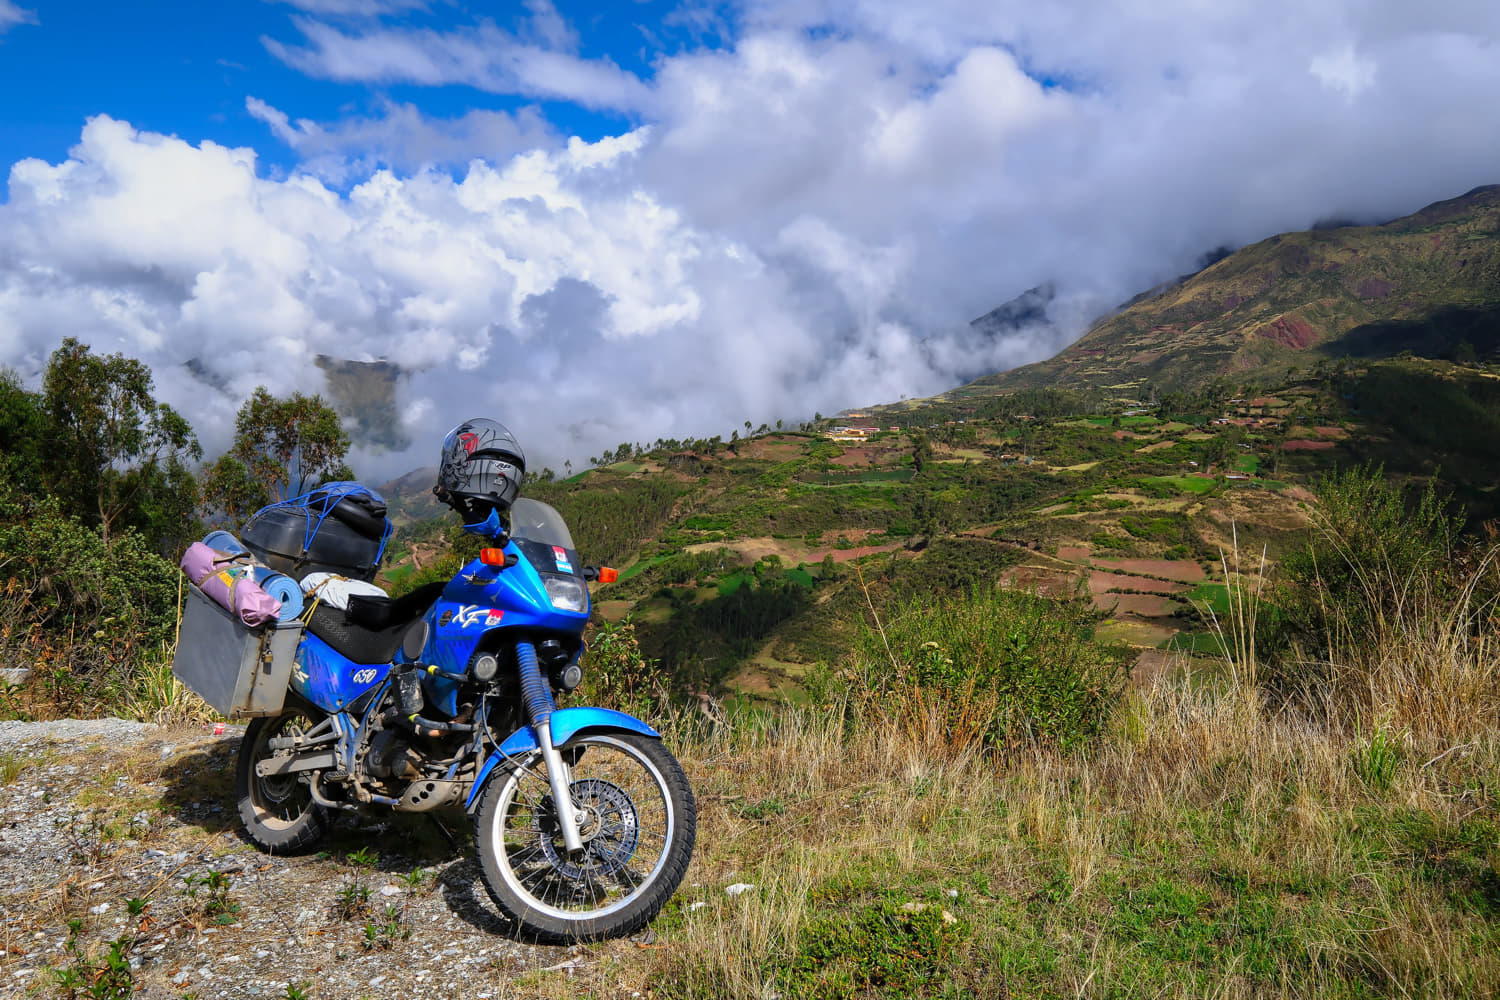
[282, 448]
[23, 433]
[114, 454]
[921, 451]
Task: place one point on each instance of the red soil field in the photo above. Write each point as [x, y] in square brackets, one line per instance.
[1175, 569]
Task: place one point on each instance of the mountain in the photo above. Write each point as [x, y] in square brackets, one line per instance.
[1428, 283]
[1026, 309]
[364, 393]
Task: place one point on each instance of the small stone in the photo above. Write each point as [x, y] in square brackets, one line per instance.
[390, 890]
[101, 908]
[738, 888]
[377, 980]
[700, 904]
[952, 893]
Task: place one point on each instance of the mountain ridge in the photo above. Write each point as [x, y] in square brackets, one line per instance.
[1428, 282]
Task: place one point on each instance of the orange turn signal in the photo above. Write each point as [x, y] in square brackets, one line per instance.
[607, 575]
[492, 557]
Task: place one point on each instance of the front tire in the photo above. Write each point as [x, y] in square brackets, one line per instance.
[279, 813]
[638, 829]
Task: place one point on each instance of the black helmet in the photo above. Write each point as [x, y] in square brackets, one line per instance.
[481, 467]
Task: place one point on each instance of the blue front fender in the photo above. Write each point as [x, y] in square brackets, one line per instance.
[567, 723]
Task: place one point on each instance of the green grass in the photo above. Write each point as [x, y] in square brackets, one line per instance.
[1181, 484]
[732, 583]
[644, 565]
[1211, 596]
[1196, 643]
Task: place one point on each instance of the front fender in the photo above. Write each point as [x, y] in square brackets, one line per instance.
[567, 724]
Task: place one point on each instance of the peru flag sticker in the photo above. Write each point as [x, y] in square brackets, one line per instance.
[561, 555]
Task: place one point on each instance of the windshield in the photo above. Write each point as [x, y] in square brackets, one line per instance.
[538, 522]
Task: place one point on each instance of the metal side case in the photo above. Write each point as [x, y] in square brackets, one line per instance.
[240, 672]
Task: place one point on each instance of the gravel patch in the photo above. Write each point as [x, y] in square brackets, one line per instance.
[131, 829]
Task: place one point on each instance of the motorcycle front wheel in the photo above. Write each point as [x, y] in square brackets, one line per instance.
[278, 811]
[638, 825]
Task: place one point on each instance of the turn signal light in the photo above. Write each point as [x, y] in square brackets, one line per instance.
[492, 557]
[607, 575]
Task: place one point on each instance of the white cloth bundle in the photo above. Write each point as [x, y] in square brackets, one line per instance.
[335, 591]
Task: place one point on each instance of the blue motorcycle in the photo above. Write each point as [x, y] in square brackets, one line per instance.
[443, 699]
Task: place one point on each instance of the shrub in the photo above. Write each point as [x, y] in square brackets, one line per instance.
[1007, 667]
[1385, 614]
[1367, 569]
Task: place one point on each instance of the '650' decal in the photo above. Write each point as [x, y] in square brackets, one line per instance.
[472, 614]
[364, 676]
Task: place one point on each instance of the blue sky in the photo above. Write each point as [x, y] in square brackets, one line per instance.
[615, 222]
[186, 68]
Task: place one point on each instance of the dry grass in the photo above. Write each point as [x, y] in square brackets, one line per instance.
[1209, 845]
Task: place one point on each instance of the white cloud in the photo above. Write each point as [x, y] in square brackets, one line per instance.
[806, 221]
[356, 8]
[400, 137]
[12, 15]
[1344, 70]
[483, 57]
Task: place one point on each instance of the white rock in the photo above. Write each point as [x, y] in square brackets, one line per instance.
[700, 904]
[739, 887]
[101, 908]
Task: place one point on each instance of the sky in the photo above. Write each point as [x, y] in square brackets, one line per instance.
[616, 222]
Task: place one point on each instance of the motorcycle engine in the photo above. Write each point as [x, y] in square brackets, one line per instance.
[391, 756]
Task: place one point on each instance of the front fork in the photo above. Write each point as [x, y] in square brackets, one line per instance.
[537, 695]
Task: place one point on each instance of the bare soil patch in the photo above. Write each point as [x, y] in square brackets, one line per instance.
[1305, 445]
[1073, 553]
[1142, 605]
[857, 456]
[1101, 582]
[772, 449]
[1174, 569]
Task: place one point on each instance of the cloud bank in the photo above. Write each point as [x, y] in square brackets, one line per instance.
[803, 219]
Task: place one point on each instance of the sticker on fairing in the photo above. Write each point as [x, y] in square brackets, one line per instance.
[472, 614]
[561, 555]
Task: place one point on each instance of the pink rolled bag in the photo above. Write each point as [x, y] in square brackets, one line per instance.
[225, 577]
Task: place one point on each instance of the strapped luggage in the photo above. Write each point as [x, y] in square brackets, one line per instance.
[337, 528]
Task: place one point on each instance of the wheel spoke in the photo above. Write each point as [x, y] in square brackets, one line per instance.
[625, 821]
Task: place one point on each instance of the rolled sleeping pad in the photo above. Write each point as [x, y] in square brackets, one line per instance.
[283, 588]
[224, 542]
[230, 584]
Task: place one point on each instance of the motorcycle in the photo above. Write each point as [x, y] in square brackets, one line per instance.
[583, 820]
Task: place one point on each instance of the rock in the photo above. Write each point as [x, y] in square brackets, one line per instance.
[738, 888]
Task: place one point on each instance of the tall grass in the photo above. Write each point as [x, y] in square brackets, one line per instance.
[1006, 668]
[1320, 821]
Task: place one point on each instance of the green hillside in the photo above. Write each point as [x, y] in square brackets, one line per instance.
[1428, 283]
[745, 566]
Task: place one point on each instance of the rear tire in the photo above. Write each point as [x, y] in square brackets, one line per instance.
[279, 813]
[640, 822]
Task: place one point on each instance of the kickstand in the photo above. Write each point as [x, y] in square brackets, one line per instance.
[447, 834]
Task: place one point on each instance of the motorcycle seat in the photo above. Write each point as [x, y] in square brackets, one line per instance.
[370, 630]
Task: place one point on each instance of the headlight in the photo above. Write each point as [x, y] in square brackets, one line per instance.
[567, 593]
[485, 666]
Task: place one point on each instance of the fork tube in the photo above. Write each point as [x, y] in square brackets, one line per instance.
[537, 695]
